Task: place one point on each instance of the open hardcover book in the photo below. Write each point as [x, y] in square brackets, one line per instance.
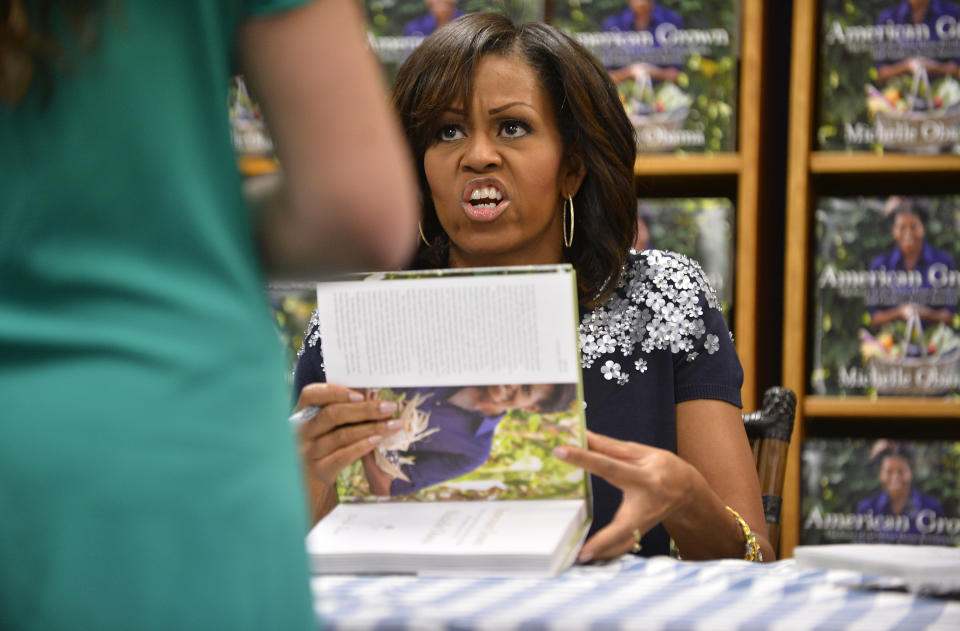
[484, 366]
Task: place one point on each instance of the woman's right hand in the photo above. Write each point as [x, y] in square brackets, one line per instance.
[346, 428]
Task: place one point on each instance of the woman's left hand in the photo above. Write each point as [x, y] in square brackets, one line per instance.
[655, 483]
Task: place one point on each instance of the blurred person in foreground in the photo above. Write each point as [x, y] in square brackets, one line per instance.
[148, 476]
[525, 156]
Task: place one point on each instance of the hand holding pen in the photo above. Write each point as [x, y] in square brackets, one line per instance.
[338, 426]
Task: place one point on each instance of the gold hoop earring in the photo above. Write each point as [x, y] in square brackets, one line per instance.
[422, 237]
[567, 237]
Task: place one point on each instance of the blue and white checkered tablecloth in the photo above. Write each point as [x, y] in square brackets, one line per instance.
[632, 593]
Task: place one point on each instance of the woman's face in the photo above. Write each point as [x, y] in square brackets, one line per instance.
[895, 475]
[443, 10]
[498, 399]
[908, 232]
[497, 172]
[642, 9]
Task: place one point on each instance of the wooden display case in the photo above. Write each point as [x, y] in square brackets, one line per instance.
[810, 174]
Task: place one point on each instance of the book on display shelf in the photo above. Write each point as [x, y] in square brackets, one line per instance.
[248, 130]
[889, 76]
[698, 227]
[484, 366]
[396, 27]
[885, 296]
[675, 64]
[880, 491]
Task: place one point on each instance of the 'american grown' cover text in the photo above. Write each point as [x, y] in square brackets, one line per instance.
[396, 27]
[880, 491]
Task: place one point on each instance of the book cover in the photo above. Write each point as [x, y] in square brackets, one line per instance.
[885, 293]
[699, 227]
[396, 27]
[291, 305]
[880, 491]
[484, 365]
[248, 129]
[675, 63]
[888, 76]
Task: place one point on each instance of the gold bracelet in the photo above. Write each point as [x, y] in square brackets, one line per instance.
[751, 549]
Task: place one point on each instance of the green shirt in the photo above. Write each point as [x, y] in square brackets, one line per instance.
[148, 478]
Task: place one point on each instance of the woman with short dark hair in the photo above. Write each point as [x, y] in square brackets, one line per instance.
[525, 156]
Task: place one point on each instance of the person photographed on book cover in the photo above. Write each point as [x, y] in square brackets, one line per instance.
[929, 16]
[455, 435]
[439, 12]
[912, 510]
[643, 15]
[911, 253]
[526, 156]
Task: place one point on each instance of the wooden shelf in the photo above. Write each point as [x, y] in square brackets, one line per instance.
[885, 407]
[691, 164]
[810, 175]
[864, 162]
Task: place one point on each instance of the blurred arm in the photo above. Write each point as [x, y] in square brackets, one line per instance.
[347, 198]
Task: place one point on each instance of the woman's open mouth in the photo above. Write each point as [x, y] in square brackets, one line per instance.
[484, 201]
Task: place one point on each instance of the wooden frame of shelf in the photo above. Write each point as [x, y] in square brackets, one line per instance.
[651, 165]
[887, 407]
[808, 173]
[864, 162]
[736, 174]
[800, 137]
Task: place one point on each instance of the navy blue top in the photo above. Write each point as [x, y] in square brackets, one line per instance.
[660, 339]
[925, 293]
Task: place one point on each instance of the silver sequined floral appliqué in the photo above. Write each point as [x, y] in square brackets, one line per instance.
[313, 333]
[312, 338]
[656, 306]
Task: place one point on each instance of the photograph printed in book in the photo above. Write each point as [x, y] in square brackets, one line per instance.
[396, 27]
[885, 290]
[675, 64]
[445, 452]
[889, 76]
[880, 491]
[698, 227]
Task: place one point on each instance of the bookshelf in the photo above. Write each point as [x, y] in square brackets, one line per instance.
[809, 174]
